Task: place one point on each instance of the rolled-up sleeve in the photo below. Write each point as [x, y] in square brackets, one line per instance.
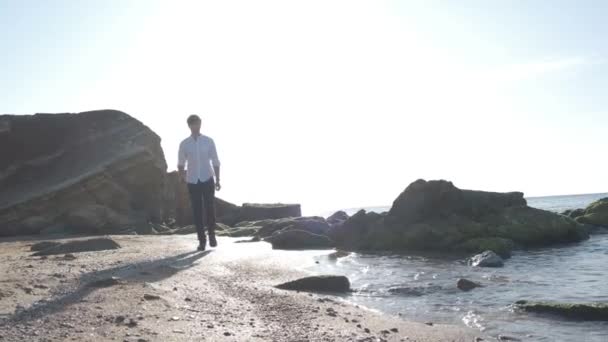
[181, 156]
[213, 155]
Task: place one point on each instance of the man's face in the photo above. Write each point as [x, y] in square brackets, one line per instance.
[195, 127]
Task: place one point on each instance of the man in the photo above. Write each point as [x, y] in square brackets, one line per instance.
[197, 155]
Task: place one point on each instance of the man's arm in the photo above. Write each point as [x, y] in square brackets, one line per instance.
[216, 165]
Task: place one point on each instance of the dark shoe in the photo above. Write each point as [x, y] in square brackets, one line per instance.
[201, 246]
[212, 240]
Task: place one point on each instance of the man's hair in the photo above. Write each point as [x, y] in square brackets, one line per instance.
[192, 119]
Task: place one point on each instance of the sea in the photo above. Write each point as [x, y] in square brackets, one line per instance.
[576, 273]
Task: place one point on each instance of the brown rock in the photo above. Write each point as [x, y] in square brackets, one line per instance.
[53, 165]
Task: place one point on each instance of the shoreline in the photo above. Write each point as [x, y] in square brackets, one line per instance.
[165, 291]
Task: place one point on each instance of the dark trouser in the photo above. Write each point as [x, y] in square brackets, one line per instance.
[203, 193]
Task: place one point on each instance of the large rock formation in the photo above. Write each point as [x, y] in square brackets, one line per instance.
[437, 216]
[88, 172]
[596, 214]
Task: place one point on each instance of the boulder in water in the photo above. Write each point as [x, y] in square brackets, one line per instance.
[487, 259]
[466, 285]
[437, 216]
[324, 283]
[586, 312]
[596, 214]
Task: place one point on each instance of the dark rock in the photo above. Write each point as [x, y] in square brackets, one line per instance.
[466, 285]
[436, 199]
[337, 218]
[105, 282]
[357, 232]
[338, 254]
[299, 239]
[595, 214]
[148, 296]
[437, 216]
[40, 246]
[95, 219]
[257, 211]
[508, 338]
[76, 246]
[487, 259]
[54, 166]
[69, 256]
[586, 312]
[574, 213]
[327, 283]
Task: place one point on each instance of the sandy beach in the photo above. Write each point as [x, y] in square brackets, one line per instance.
[158, 288]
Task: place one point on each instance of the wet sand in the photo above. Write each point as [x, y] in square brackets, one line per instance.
[164, 290]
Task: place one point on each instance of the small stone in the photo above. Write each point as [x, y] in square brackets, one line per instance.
[359, 326]
[132, 323]
[395, 330]
[227, 334]
[119, 319]
[69, 256]
[429, 324]
[466, 285]
[41, 286]
[210, 326]
[106, 282]
[177, 331]
[174, 318]
[507, 338]
[366, 330]
[188, 299]
[148, 296]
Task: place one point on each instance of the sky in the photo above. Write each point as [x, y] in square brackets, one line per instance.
[334, 104]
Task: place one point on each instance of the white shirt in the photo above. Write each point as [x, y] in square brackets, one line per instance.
[198, 155]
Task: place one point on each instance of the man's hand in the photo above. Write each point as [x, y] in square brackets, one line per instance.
[218, 186]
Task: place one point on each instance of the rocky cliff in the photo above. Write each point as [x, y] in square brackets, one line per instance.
[82, 172]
